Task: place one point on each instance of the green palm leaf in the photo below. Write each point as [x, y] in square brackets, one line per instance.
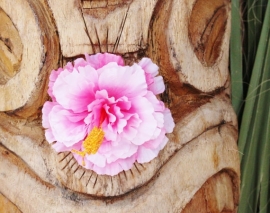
[254, 135]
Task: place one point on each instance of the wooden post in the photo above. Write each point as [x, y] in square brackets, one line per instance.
[198, 170]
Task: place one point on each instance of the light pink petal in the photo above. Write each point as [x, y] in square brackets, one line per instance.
[130, 130]
[129, 133]
[145, 155]
[69, 66]
[121, 125]
[79, 159]
[96, 159]
[148, 125]
[115, 167]
[47, 107]
[54, 75]
[59, 147]
[157, 86]
[123, 103]
[157, 104]
[159, 116]
[80, 62]
[49, 135]
[164, 142]
[122, 150]
[99, 60]
[76, 90]
[63, 129]
[156, 142]
[168, 121]
[148, 66]
[126, 163]
[122, 81]
[110, 169]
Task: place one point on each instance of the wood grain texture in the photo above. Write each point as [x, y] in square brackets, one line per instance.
[198, 170]
[25, 92]
[216, 195]
[216, 143]
[6, 206]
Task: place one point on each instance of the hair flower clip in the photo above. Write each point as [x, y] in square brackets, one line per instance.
[107, 114]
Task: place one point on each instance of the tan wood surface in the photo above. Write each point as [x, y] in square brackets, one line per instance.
[198, 170]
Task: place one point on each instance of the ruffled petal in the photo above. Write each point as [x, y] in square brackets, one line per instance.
[168, 121]
[122, 81]
[148, 123]
[157, 87]
[99, 60]
[64, 130]
[47, 107]
[115, 167]
[149, 67]
[76, 90]
[96, 159]
[145, 155]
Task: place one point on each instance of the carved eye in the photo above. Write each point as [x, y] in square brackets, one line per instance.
[207, 27]
[10, 49]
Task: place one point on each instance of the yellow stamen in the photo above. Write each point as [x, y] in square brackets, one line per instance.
[92, 143]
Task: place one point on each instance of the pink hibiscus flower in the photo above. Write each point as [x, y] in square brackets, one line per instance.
[107, 114]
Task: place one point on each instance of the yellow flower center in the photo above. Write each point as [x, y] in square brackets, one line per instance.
[94, 139]
[92, 143]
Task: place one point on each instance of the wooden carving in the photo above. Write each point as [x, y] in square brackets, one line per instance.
[198, 170]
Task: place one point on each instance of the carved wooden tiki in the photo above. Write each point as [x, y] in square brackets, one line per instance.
[197, 171]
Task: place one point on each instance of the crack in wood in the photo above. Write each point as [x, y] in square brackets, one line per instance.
[141, 165]
[107, 39]
[82, 175]
[64, 157]
[98, 39]
[7, 43]
[89, 179]
[120, 30]
[112, 181]
[131, 173]
[73, 164]
[67, 164]
[137, 168]
[87, 33]
[124, 172]
[76, 169]
[95, 181]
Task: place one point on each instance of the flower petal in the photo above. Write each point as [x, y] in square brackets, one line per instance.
[168, 121]
[145, 155]
[99, 60]
[76, 90]
[148, 125]
[122, 81]
[157, 86]
[148, 66]
[64, 130]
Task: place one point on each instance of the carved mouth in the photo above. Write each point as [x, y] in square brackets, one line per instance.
[85, 181]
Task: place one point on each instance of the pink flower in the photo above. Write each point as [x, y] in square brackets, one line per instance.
[107, 114]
